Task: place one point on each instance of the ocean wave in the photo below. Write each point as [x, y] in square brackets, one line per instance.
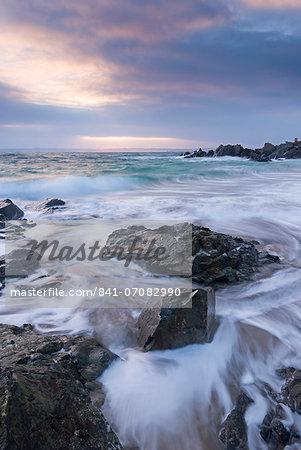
[69, 186]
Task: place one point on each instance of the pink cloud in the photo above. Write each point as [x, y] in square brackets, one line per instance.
[278, 4]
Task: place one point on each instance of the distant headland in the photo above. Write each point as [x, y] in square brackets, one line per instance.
[288, 150]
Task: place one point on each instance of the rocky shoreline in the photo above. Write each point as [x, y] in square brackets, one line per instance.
[50, 393]
[50, 396]
[288, 150]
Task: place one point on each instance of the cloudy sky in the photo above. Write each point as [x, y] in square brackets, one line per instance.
[98, 74]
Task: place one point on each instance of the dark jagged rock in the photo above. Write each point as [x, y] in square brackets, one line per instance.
[222, 150]
[233, 433]
[233, 150]
[197, 154]
[289, 150]
[273, 431]
[291, 391]
[167, 328]
[9, 211]
[46, 383]
[259, 157]
[220, 259]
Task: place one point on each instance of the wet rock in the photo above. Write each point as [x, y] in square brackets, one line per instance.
[170, 328]
[45, 398]
[197, 154]
[233, 150]
[268, 148]
[21, 263]
[273, 430]
[2, 272]
[174, 240]
[9, 211]
[259, 157]
[48, 205]
[212, 259]
[233, 433]
[288, 150]
[220, 259]
[291, 391]
[267, 258]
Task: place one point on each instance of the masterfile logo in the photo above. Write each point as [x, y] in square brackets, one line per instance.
[124, 264]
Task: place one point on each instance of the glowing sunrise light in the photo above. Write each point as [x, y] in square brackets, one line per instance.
[132, 138]
[43, 69]
[137, 141]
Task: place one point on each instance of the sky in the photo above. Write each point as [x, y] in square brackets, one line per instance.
[104, 74]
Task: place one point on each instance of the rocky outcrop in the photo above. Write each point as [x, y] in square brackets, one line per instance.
[233, 433]
[233, 150]
[9, 211]
[277, 428]
[289, 150]
[197, 154]
[222, 150]
[212, 259]
[46, 385]
[170, 328]
[220, 259]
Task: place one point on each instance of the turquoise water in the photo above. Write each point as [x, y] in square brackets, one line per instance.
[31, 176]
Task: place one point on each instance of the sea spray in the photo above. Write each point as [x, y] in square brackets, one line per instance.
[163, 399]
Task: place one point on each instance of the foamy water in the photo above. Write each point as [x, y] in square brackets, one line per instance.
[178, 399]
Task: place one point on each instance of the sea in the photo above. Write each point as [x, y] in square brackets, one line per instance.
[177, 399]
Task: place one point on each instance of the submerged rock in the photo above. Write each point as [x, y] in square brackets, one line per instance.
[291, 391]
[170, 328]
[46, 383]
[48, 205]
[9, 211]
[273, 431]
[234, 429]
